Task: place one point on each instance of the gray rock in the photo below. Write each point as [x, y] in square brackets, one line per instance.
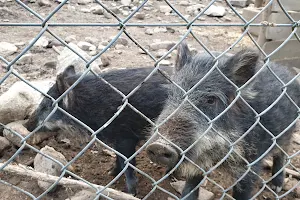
[51, 64]
[126, 2]
[184, 3]
[68, 57]
[120, 40]
[20, 100]
[85, 46]
[4, 144]
[296, 138]
[140, 16]
[162, 45]
[41, 42]
[105, 60]
[7, 49]
[85, 10]
[70, 38]
[125, 12]
[289, 184]
[165, 63]
[83, 195]
[162, 52]
[20, 44]
[215, 11]
[119, 46]
[92, 53]
[149, 31]
[165, 9]
[240, 3]
[44, 3]
[115, 10]
[194, 9]
[84, 2]
[91, 40]
[98, 10]
[101, 47]
[25, 59]
[18, 127]
[160, 30]
[107, 15]
[203, 193]
[47, 166]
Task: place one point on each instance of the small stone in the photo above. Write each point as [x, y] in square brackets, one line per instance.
[70, 38]
[20, 44]
[203, 193]
[54, 43]
[84, 2]
[126, 2]
[228, 19]
[98, 10]
[92, 48]
[160, 30]
[85, 46]
[104, 43]
[194, 9]
[239, 3]
[41, 42]
[107, 15]
[162, 45]
[101, 47]
[147, 8]
[105, 60]
[140, 16]
[25, 59]
[215, 11]
[91, 40]
[289, 184]
[7, 49]
[92, 53]
[44, 3]
[85, 10]
[184, 3]
[51, 64]
[170, 30]
[296, 138]
[161, 52]
[125, 12]
[119, 51]
[119, 46]
[47, 166]
[18, 127]
[120, 40]
[115, 10]
[165, 9]
[4, 144]
[149, 31]
[165, 63]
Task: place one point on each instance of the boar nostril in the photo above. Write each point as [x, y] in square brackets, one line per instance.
[167, 155]
[162, 154]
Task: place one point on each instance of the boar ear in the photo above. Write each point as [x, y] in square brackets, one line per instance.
[183, 55]
[62, 79]
[241, 66]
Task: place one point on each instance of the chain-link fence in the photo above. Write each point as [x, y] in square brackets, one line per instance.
[213, 111]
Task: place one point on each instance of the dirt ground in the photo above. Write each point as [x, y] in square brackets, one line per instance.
[94, 164]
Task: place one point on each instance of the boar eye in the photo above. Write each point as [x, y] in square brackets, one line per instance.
[211, 100]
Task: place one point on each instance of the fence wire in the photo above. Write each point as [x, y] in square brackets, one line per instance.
[189, 24]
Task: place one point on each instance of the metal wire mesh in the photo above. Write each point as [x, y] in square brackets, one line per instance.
[189, 24]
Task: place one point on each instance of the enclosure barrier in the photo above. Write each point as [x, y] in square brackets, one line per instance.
[105, 191]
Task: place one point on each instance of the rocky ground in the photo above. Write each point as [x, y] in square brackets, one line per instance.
[48, 56]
